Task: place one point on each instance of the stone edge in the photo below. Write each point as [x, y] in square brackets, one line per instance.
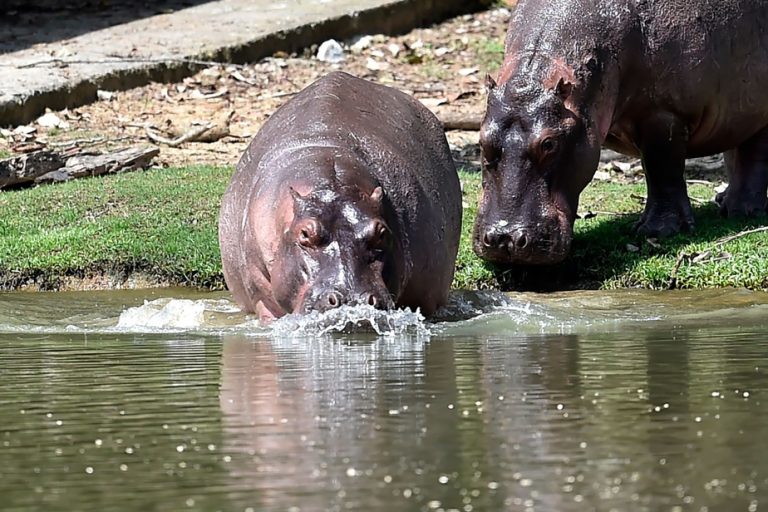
[393, 18]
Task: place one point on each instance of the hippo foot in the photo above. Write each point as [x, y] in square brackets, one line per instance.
[661, 225]
[731, 205]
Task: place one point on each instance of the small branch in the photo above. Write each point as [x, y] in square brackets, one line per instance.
[191, 134]
[467, 122]
[276, 95]
[683, 256]
[731, 238]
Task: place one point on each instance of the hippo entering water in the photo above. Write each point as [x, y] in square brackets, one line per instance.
[662, 80]
[347, 195]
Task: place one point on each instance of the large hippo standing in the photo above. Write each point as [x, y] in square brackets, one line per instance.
[662, 80]
[347, 195]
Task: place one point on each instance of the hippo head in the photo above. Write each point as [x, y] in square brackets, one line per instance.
[538, 154]
[338, 249]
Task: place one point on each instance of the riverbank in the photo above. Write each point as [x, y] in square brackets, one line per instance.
[158, 227]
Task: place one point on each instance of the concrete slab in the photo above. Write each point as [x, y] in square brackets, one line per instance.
[68, 72]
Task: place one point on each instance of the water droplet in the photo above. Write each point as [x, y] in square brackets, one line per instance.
[89, 470]
[123, 467]
[443, 479]
[351, 472]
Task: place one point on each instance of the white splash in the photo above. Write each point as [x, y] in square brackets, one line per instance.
[360, 318]
[184, 315]
[163, 314]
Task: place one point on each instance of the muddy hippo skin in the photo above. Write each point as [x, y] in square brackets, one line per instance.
[348, 194]
[662, 80]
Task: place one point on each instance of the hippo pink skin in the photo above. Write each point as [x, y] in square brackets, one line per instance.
[348, 194]
[662, 80]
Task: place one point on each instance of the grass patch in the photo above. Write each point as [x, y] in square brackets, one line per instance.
[164, 222]
[489, 54]
[4, 153]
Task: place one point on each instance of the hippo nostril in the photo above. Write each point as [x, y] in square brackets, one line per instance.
[487, 240]
[372, 300]
[334, 300]
[521, 241]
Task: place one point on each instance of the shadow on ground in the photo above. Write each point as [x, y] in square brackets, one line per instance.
[601, 253]
[22, 26]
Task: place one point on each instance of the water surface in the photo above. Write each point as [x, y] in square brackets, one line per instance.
[587, 401]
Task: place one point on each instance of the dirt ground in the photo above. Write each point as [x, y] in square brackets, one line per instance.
[443, 66]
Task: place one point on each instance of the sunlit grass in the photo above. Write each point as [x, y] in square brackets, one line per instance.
[164, 222]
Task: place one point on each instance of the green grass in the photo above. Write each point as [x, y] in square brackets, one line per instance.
[4, 153]
[163, 222]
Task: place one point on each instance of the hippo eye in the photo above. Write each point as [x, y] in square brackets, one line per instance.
[548, 145]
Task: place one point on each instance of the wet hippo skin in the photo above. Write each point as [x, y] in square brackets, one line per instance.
[662, 80]
[347, 195]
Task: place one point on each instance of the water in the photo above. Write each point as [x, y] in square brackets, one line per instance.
[171, 400]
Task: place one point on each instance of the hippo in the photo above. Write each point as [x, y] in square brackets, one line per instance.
[347, 195]
[659, 80]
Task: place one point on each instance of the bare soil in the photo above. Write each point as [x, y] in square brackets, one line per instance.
[444, 66]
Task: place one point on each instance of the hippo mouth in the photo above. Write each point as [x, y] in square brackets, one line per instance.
[545, 243]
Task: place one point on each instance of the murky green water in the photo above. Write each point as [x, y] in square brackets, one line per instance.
[623, 401]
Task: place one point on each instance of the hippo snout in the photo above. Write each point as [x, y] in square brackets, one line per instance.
[331, 299]
[520, 244]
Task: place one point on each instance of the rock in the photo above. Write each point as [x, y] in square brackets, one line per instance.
[330, 51]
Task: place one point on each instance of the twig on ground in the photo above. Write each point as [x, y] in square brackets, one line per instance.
[719, 242]
[731, 238]
[191, 134]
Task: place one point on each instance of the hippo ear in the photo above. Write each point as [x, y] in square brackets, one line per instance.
[564, 88]
[490, 83]
[377, 195]
[298, 199]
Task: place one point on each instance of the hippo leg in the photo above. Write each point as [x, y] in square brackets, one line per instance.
[747, 178]
[668, 209]
[265, 315]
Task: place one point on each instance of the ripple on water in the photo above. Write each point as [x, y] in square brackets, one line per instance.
[474, 312]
